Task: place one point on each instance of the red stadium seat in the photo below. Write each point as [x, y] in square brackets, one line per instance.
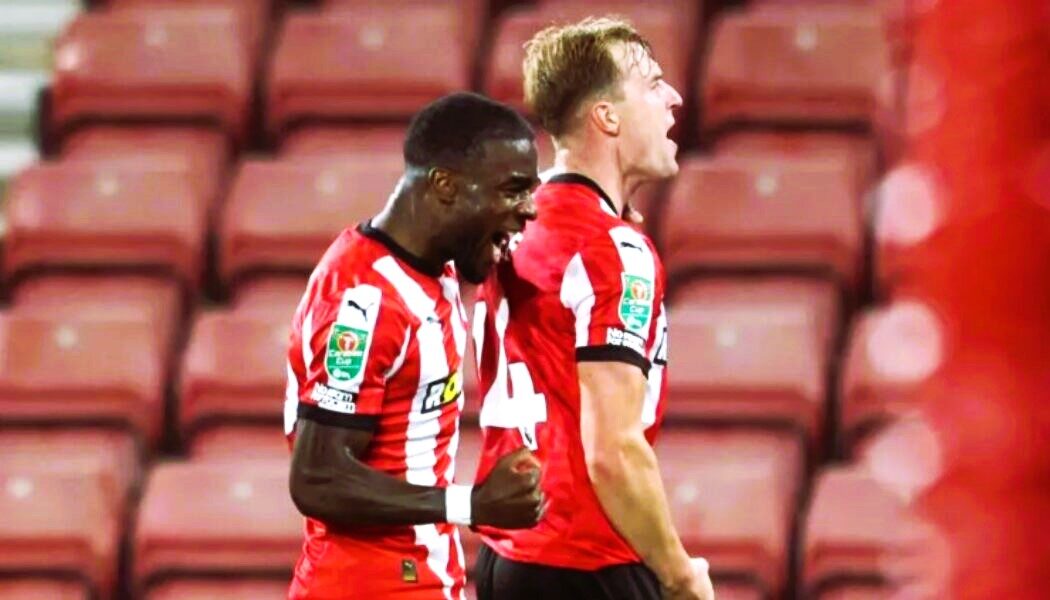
[852, 524]
[234, 368]
[240, 442]
[263, 230]
[733, 496]
[74, 215]
[856, 152]
[892, 351]
[125, 297]
[203, 151]
[43, 589]
[154, 64]
[780, 64]
[358, 63]
[221, 589]
[62, 369]
[815, 299]
[665, 27]
[239, 519]
[337, 142]
[858, 592]
[746, 213]
[60, 522]
[112, 454]
[269, 295]
[756, 362]
[251, 15]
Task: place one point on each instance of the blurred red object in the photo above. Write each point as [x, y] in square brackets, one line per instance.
[239, 517]
[754, 214]
[779, 64]
[77, 215]
[733, 496]
[357, 63]
[160, 64]
[263, 230]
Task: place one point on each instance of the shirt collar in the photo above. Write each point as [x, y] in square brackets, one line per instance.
[399, 251]
[578, 179]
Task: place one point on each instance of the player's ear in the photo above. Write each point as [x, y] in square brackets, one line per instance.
[604, 116]
[443, 184]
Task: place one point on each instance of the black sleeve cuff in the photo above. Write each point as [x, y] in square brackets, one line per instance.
[336, 419]
[610, 353]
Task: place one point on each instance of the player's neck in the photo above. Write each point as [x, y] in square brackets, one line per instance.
[598, 169]
[403, 225]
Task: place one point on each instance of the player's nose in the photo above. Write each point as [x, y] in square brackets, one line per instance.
[526, 209]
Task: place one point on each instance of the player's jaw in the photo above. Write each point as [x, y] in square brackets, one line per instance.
[476, 259]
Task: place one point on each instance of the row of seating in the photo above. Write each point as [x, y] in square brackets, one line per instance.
[348, 60]
[760, 352]
[69, 495]
[150, 196]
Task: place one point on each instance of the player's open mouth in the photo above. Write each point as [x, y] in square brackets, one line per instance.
[500, 245]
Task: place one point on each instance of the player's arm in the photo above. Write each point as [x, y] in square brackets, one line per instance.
[623, 469]
[611, 288]
[330, 483]
[359, 341]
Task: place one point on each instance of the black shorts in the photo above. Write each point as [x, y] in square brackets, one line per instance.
[498, 578]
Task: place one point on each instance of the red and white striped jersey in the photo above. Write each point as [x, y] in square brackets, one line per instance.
[377, 343]
[582, 285]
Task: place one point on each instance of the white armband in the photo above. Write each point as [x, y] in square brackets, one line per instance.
[457, 504]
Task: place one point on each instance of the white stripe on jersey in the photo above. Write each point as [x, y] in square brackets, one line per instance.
[450, 289]
[577, 294]
[423, 428]
[634, 252]
[656, 373]
[291, 400]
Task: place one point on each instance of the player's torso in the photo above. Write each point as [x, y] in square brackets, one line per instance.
[417, 429]
[528, 371]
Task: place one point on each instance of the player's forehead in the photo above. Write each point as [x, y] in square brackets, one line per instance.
[635, 61]
[506, 159]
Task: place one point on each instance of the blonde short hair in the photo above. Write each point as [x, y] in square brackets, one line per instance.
[567, 64]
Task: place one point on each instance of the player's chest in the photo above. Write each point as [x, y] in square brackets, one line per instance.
[430, 381]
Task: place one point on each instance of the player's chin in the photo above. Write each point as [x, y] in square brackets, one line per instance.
[475, 270]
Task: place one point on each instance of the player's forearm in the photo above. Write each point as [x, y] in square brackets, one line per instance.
[354, 495]
[627, 481]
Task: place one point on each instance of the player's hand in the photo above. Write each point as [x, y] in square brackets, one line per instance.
[510, 497]
[697, 587]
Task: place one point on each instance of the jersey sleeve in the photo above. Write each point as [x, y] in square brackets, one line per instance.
[354, 341]
[610, 286]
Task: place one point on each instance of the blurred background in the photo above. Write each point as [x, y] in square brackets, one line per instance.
[857, 244]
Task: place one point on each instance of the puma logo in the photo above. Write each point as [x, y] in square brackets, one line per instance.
[354, 305]
[630, 245]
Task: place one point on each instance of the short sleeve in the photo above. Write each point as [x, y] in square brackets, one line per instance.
[610, 286]
[357, 340]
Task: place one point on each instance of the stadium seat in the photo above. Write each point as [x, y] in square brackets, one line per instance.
[339, 141]
[152, 300]
[737, 591]
[733, 496]
[43, 589]
[114, 455]
[234, 369]
[60, 522]
[171, 65]
[18, 101]
[268, 295]
[817, 300]
[262, 230]
[856, 152]
[661, 22]
[852, 524]
[203, 151]
[28, 29]
[755, 362]
[783, 65]
[220, 589]
[239, 442]
[89, 215]
[239, 519]
[736, 213]
[357, 63]
[857, 591]
[63, 369]
[892, 351]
